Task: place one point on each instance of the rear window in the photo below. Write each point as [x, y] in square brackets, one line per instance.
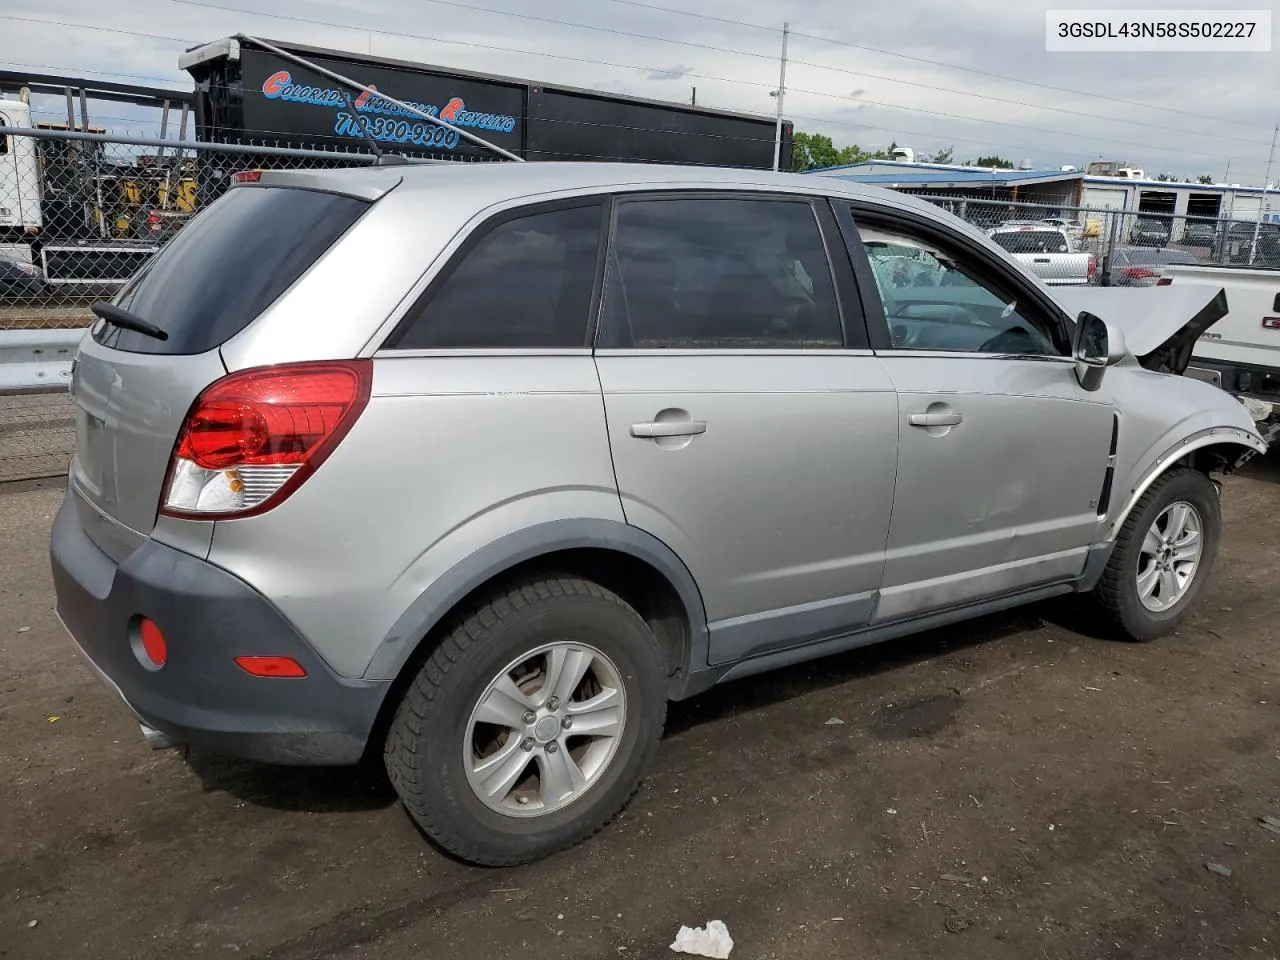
[1159, 256]
[1033, 241]
[228, 265]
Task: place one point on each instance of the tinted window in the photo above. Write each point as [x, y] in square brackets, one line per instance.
[228, 265]
[934, 300]
[719, 274]
[526, 283]
[1033, 241]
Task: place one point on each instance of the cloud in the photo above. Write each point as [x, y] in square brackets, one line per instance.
[1187, 113]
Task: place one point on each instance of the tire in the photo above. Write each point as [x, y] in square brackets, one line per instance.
[433, 749]
[1118, 592]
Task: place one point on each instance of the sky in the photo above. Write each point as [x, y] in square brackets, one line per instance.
[921, 73]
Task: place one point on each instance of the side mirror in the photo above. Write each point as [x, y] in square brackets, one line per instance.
[1098, 345]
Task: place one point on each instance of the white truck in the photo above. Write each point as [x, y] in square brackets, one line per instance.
[55, 202]
[1241, 352]
[1050, 252]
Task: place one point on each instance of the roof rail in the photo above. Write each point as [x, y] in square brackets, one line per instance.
[339, 78]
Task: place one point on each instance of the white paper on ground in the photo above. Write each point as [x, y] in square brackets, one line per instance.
[713, 940]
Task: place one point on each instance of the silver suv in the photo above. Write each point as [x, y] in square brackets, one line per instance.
[477, 467]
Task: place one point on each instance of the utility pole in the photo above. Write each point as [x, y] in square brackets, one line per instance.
[1262, 204]
[693, 101]
[780, 93]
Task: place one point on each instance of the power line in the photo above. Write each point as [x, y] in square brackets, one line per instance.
[939, 63]
[86, 26]
[49, 68]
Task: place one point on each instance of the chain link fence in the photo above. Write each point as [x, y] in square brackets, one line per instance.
[80, 213]
[1108, 247]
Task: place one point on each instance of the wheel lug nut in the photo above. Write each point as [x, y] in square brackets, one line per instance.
[529, 716]
[553, 703]
[568, 722]
[527, 743]
[552, 747]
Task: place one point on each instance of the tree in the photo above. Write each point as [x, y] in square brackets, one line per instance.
[854, 154]
[813, 151]
[1167, 178]
[1205, 178]
[943, 155]
[999, 163]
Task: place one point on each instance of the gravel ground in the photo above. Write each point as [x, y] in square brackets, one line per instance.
[37, 435]
[1012, 787]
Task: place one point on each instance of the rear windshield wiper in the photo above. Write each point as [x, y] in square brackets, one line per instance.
[130, 321]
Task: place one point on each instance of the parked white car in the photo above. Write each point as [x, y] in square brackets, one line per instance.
[1049, 252]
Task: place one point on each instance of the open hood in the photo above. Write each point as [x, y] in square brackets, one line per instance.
[1160, 324]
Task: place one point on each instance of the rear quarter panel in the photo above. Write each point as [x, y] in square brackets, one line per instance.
[452, 454]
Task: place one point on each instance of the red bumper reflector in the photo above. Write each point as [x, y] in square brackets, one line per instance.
[153, 643]
[270, 666]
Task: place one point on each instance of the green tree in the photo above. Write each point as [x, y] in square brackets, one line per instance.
[1205, 178]
[813, 151]
[999, 163]
[1166, 178]
[853, 154]
[943, 156]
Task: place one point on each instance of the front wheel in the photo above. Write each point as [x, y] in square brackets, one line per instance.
[1163, 555]
[530, 724]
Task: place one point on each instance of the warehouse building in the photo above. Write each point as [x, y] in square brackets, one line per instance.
[1066, 188]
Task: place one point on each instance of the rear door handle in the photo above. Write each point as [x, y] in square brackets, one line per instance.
[668, 428]
[935, 419]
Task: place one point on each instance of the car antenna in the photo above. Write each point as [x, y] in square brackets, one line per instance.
[362, 124]
[347, 81]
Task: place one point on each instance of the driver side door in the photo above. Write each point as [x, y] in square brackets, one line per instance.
[1001, 453]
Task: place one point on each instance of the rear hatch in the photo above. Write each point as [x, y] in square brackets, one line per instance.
[133, 391]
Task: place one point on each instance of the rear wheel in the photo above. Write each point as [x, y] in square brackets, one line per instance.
[1163, 555]
[529, 726]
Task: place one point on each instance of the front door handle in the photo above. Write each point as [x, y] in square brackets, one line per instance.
[655, 429]
[935, 419]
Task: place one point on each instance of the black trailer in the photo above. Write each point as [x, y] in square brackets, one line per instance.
[245, 94]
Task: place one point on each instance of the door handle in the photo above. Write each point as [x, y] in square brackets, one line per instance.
[935, 419]
[656, 429]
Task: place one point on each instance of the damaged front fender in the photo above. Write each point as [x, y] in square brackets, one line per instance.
[1160, 324]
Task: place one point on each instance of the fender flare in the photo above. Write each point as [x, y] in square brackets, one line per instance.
[1189, 444]
[440, 598]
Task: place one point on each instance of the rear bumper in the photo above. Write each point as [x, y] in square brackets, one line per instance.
[208, 617]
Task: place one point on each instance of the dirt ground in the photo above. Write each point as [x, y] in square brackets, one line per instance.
[1007, 788]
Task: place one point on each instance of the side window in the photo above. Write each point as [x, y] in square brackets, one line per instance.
[936, 301]
[719, 274]
[526, 283]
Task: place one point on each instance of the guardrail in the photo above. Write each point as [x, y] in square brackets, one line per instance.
[36, 361]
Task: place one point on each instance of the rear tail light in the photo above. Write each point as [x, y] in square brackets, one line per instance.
[1139, 273]
[1164, 281]
[271, 666]
[246, 176]
[253, 437]
[1093, 267]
